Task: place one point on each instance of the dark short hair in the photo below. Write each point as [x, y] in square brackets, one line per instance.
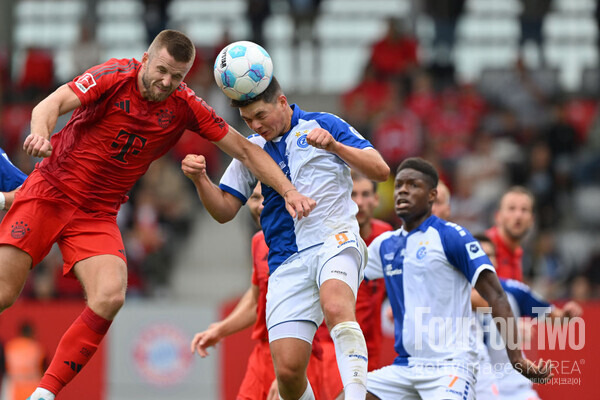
[423, 166]
[483, 238]
[178, 45]
[269, 95]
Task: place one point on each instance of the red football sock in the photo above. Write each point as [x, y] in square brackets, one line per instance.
[75, 349]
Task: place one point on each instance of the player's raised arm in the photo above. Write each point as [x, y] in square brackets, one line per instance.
[221, 205]
[44, 117]
[490, 289]
[367, 161]
[267, 171]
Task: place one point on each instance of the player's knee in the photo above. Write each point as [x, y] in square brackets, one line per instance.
[290, 375]
[9, 292]
[107, 303]
[8, 296]
[336, 312]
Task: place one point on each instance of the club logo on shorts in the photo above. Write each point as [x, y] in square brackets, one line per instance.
[164, 118]
[19, 229]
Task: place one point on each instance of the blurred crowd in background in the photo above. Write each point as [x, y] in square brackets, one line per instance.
[517, 126]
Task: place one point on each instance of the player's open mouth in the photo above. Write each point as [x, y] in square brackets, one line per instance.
[402, 203]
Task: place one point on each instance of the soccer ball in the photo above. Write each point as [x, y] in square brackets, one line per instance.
[243, 70]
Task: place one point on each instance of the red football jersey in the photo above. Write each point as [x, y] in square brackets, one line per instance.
[508, 262]
[110, 141]
[260, 278]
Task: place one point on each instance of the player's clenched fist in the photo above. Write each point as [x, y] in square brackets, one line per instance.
[37, 146]
[193, 166]
[321, 139]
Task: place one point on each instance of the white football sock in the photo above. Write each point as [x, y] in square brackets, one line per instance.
[41, 394]
[308, 393]
[352, 358]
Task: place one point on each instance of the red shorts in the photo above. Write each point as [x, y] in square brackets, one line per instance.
[42, 215]
[260, 374]
[332, 382]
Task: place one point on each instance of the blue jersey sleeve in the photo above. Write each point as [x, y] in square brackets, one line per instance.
[530, 304]
[11, 177]
[464, 252]
[342, 131]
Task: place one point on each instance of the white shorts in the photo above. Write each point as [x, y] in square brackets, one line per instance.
[486, 387]
[447, 382]
[293, 291]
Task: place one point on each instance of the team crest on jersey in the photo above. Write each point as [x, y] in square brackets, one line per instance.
[421, 253]
[164, 118]
[302, 143]
[85, 82]
[19, 230]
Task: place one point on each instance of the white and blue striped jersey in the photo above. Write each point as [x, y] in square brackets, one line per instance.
[316, 173]
[524, 303]
[428, 275]
[11, 177]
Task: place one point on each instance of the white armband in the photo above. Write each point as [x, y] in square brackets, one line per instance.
[2, 201]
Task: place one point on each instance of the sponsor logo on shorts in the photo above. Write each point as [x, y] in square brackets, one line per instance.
[19, 230]
[85, 82]
[337, 271]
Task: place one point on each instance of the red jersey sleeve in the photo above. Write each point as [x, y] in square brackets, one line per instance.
[205, 121]
[90, 85]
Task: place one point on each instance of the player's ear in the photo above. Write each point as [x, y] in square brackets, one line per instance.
[432, 195]
[145, 58]
[282, 100]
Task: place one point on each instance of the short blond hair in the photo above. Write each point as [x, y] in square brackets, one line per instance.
[178, 45]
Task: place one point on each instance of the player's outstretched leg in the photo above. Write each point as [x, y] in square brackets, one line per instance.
[340, 279]
[75, 349]
[104, 279]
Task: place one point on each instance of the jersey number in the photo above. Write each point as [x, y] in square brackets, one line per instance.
[341, 238]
